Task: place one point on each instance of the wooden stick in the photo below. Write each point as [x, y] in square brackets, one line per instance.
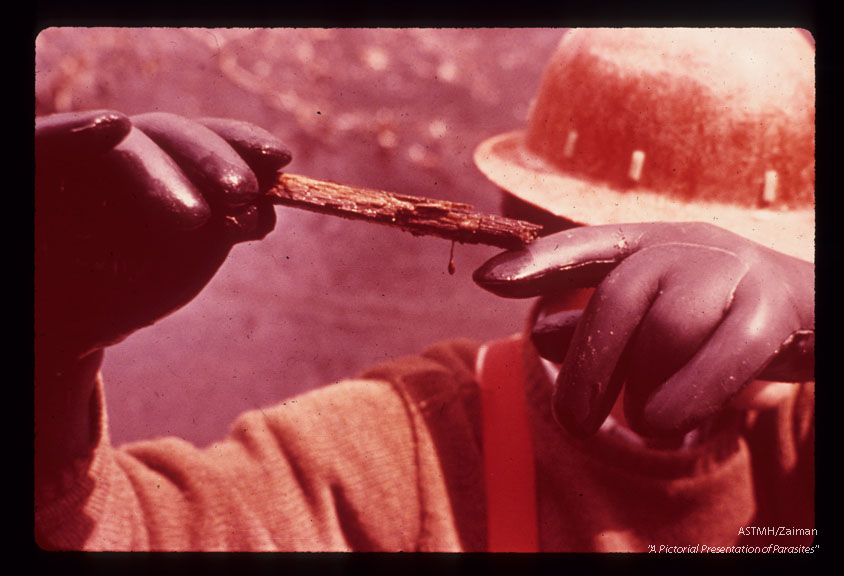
[419, 216]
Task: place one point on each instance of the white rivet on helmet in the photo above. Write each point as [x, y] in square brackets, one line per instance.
[637, 160]
[769, 192]
[571, 140]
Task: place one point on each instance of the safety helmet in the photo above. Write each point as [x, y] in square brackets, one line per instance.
[671, 124]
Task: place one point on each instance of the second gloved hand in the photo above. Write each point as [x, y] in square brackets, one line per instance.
[684, 316]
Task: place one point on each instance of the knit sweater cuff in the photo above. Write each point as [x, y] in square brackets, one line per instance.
[67, 506]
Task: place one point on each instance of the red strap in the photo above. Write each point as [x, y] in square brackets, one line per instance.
[508, 450]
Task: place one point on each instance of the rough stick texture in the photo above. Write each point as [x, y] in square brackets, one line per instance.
[417, 215]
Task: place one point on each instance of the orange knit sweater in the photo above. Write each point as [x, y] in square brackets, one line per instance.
[392, 461]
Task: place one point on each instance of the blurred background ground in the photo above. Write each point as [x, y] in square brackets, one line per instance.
[320, 298]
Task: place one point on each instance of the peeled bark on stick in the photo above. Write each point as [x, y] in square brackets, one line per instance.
[417, 215]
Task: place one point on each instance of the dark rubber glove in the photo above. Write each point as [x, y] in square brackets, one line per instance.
[135, 215]
[683, 316]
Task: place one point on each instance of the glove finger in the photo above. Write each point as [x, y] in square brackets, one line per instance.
[656, 306]
[694, 296]
[75, 134]
[795, 361]
[264, 153]
[586, 388]
[582, 257]
[213, 165]
[248, 223]
[759, 321]
[552, 334]
[155, 184]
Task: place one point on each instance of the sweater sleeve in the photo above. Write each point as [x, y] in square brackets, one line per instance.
[782, 443]
[332, 470]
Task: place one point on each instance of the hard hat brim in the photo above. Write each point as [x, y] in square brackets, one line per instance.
[507, 162]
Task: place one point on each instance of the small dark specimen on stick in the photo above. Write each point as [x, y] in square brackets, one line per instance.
[419, 216]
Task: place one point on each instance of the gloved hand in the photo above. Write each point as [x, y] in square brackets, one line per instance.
[684, 316]
[135, 215]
